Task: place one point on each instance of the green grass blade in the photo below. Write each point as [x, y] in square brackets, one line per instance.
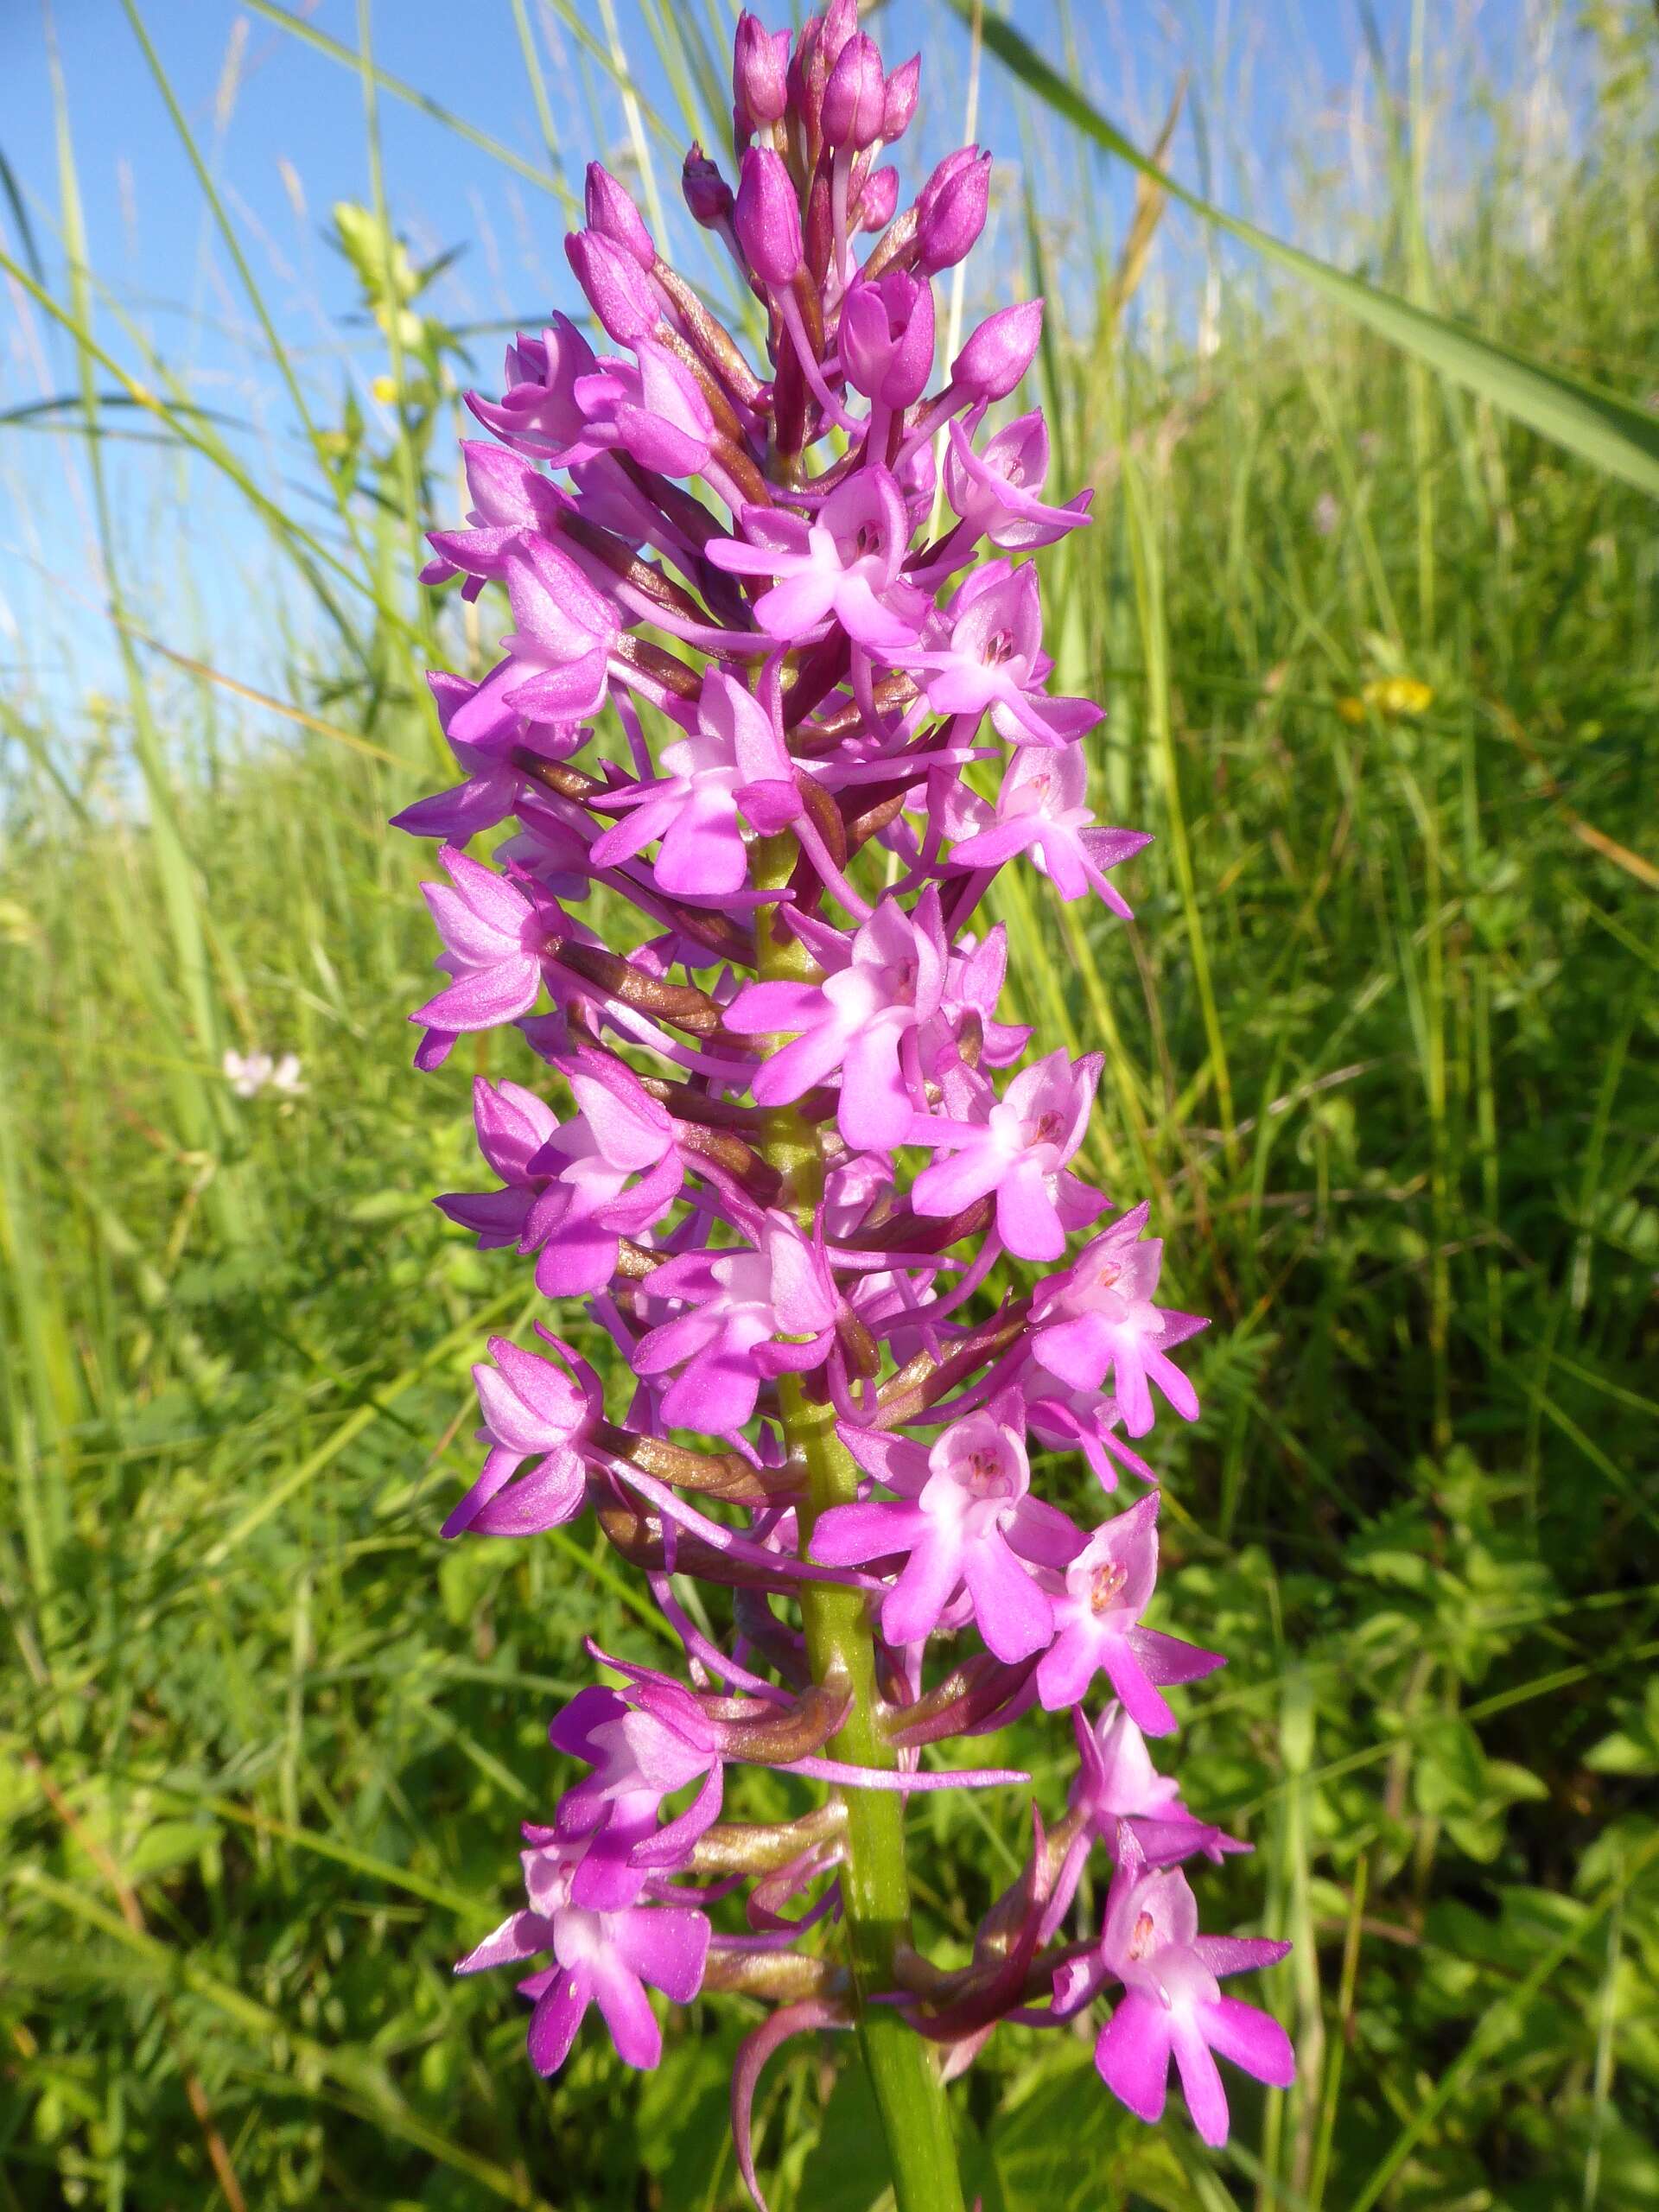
[1598, 426]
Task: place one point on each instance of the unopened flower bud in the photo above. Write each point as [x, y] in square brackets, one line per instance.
[899, 99]
[854, 99]
[760, 64]
[999, 352]
[879, 200]
[707, 192]
[840, 24]
[612, 212]
[615, 286]
[886, 337]
[768, 217]
[951, 209]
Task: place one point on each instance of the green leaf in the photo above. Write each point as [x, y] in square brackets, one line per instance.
[1069, 2146]
[849, 2171]
[1598, 426]
[683, 2120]
[1633, 1749]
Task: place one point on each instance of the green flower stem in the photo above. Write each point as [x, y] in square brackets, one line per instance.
[876, 1888]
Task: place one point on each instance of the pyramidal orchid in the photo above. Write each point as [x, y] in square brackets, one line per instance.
[782, 1137]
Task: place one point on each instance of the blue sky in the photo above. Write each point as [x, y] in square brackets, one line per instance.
[283, 127]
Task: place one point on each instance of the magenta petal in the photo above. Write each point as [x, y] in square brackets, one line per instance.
[625, 838]
[808, 1061]
[768, 804]
[484, 998]
[486, 716]
[911, 1608]
[759, 1010]
[621, 1997]
[796, 605]
[703, 853]
[951, 1186]
[847, 1535]
[606, 1881]
[664, 1945]
[875, 1110]
[1065, 1670]
[1077, 1351]
[1132, 2056]
[1251, 2038]
[1026, 1218]
[1239, 1953]
[1150, 1713]
[577, 1262]
[1045, 1535]
[716, 1394]
[557, 2016]
[548, 1497]
[1173, 1384]
[521, 1935]
[990, 848]
[682, 1337]
[570, 1730]
[1205, 2098]
[1014, 1615]
[1169, 1659]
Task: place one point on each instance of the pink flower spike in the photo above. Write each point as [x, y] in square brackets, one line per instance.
[1108, 1585]
[1041, 810]
[751, 926]
[1016, 1147]
[1173, 2005]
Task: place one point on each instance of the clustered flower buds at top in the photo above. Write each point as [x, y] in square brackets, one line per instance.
[793, 1137]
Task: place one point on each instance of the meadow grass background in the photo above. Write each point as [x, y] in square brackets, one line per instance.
[1380, 1050]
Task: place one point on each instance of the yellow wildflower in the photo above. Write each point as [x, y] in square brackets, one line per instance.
[1396, 698]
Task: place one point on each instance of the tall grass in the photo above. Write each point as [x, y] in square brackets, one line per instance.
[1380, 1046]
